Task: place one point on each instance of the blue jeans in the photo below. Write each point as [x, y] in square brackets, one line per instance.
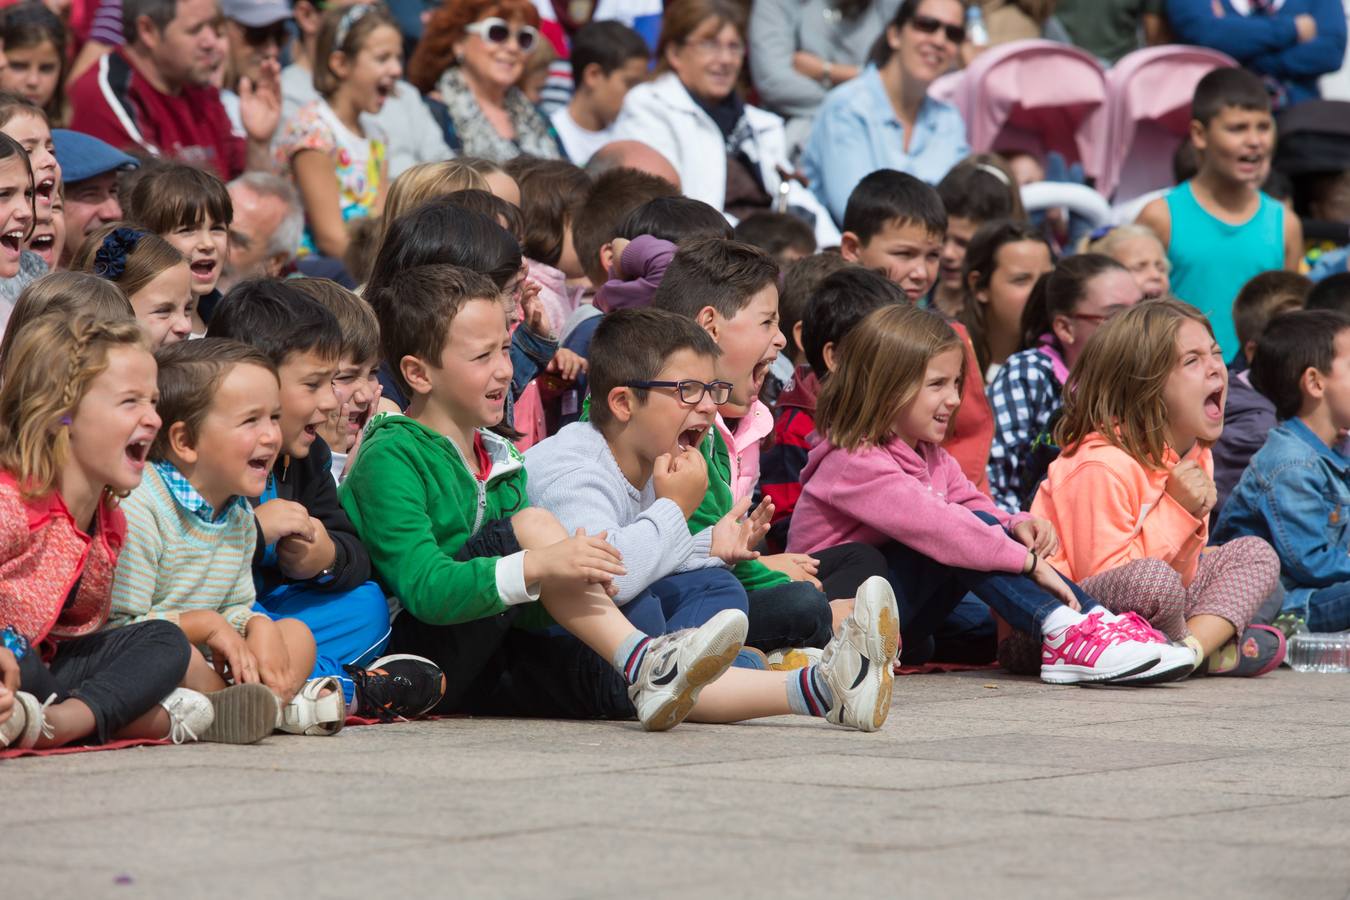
[349, 629]
[1329, 608]
[927, 591]
[687, 600]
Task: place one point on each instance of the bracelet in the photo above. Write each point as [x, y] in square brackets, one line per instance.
[1035, 561]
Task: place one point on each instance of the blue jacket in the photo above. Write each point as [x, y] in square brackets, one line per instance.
[1296, 495]
[1268, 44]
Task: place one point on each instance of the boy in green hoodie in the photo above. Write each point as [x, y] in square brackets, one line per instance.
[440, 502]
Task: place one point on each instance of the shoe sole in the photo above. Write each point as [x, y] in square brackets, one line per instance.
[396, 657]
[1085, 675]
[880, 621]
[1157, 675]
[721, 649]
[244, 714]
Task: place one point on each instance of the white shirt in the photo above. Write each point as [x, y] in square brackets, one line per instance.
[578, 143]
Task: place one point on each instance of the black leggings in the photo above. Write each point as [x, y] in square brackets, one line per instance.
[119, 674]
[845, 567]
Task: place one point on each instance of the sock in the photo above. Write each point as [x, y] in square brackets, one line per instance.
[1191, 641]
[808, 694]
[628, 658]
[1060, 619]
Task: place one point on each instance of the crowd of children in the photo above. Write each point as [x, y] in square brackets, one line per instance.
[579, 446]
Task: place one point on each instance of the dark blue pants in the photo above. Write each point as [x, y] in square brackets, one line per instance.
[350, 629]
[928, 591]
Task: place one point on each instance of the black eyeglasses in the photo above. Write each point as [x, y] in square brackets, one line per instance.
[929, 25]
[691, 391]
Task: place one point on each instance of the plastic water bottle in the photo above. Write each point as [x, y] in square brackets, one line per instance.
[975, 30]
[1309, 652]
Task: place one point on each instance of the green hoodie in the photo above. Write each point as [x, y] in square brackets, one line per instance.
[752, 574]
[414, 501]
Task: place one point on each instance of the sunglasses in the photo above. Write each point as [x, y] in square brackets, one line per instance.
[266, 34]
[929, 25]
[691, 392]
[495, 30]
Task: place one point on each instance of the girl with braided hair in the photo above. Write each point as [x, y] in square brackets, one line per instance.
[77, 417]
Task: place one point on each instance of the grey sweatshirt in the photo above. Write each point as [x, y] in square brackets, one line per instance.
[575, 476]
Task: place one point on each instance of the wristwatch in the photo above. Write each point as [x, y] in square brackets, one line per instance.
[824, 79]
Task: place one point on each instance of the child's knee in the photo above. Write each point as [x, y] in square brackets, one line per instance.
[537, 527]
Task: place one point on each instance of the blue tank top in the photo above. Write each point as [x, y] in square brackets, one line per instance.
[1212, 260]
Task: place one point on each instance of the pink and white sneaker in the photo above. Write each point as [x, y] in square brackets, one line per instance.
[1092, 651]
[1175, 662]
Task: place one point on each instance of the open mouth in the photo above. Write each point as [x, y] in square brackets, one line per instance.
[42, 244]
[384, 90]
[261, 464]
[1214, 405]
[759, 373]
[691, 437]
[12, 241]
[136, 453]
[310, 431]
[45, 188]
[203, 269]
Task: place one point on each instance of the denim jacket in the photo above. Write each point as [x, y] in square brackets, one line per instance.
[1296, 495]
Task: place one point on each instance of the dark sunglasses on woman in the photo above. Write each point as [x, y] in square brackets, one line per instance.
[929, 25]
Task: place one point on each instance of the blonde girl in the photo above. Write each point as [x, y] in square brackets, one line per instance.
[1137, 248]
[881, 476]
[332, 147]
[66, 294]
[1131, 492]
[153, 275]
[77, 417]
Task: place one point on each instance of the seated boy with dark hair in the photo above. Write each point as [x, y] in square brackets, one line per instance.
[841, 301]
[1296, 489]
[1248, 415]
[308, 562]
[730, 290]
[786, 238]
[634, 473]
[443, 505]
[895, 224]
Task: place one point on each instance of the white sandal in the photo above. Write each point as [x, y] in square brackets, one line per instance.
[312, 712]
[27, 723]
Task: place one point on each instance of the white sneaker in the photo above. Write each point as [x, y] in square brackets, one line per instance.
[190, 715]
[790, 658]
[858, 663]
[1176, 660]
[25, 725]
[1091, 651]
[678, 665]
[244, 714]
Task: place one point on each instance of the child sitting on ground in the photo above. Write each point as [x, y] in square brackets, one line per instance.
[973, 193]
[77, 415]
[1297, 487]
[1219, 229]
[895, 224]
[799, 283]
[66, 294]
[881, 476]
[1131, 493]
[191, 209]
[550, 192]
[357, 383]
[1248, 415]
[1138, 249]
[187, 557]
[1065, 308]
[308, 562]
[150, 272]
[476, 569]
[1002, 264]
[786, 238]
[634, 471]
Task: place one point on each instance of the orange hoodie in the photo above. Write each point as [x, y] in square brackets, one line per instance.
[1108, 510]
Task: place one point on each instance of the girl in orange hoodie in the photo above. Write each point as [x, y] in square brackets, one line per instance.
[1131, 494]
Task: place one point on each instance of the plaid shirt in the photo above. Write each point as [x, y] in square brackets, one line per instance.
[1023, 395]
[187, 496]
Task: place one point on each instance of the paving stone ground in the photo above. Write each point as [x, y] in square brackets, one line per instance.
[981, 785]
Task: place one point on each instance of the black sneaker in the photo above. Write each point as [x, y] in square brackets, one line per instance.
[400, 686]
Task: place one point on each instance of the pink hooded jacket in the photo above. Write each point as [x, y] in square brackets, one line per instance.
[916, 496]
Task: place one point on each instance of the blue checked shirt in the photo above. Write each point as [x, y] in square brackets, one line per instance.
[187, 497]
[1023, 395]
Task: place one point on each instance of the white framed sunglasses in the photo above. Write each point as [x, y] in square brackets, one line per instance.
[496, 30]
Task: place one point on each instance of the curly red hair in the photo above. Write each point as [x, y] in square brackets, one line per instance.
[436, 50]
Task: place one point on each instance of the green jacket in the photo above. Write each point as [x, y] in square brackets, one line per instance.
[752, 574]
[414, 501]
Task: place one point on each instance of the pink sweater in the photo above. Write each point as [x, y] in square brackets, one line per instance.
[914, 496]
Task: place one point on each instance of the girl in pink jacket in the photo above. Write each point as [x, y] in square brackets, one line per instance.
[881, 476]
[1131, 494]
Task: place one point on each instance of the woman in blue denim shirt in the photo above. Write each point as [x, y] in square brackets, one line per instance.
[1296, 490]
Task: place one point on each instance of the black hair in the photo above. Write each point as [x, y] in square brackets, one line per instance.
[1263, 298]
[32, 24]
[888, 197]
[675, 219]
[717, 273]
[881, 50]
[1058, 291]
[177, 195]
[503, 212]
[633, 345]
[1332, 292]
[1291, 345]
[800, 281]
[1228, 87]
[613, 195]
[776, 233]
[551, 191]
[442, 233]
[608, 45]
[973, 191]
[1185, 162]
[981, 261]
[842, 301]
[273, 317]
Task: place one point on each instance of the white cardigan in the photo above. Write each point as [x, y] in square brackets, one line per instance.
[662, 115]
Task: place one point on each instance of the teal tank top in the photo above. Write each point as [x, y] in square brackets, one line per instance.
[1212, 260]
